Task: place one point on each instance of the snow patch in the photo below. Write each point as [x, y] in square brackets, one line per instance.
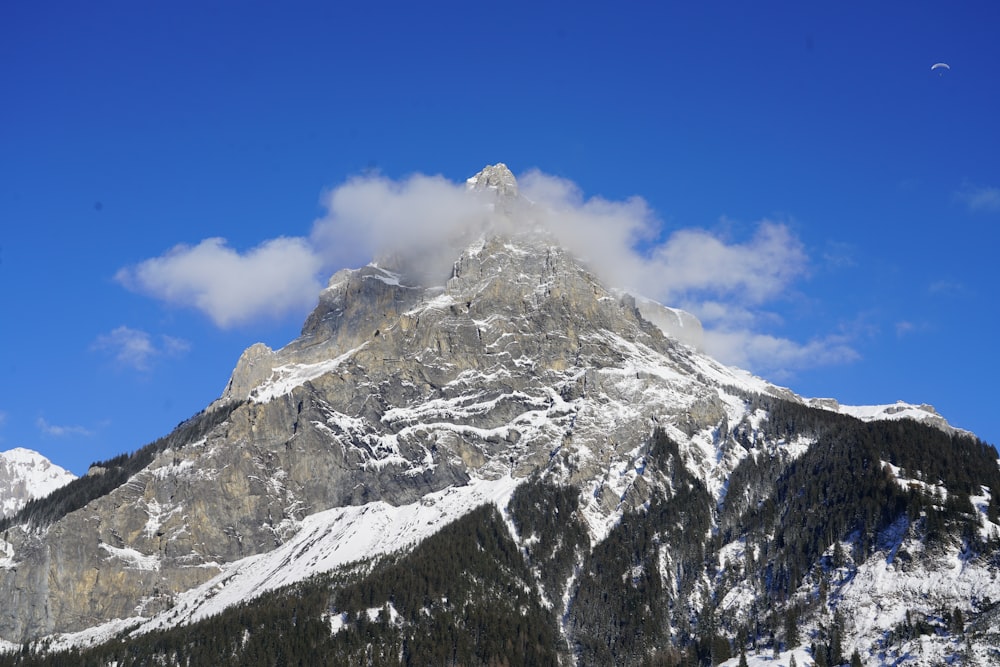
[288, 377]
[328, 540]
[133, 559]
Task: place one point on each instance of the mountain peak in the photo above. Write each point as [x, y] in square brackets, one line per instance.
[25, 474]
[494, 178]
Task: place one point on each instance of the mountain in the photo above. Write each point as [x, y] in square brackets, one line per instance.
[25, 475]
[502, 460]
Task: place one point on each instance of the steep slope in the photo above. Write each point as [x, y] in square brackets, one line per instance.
[25, 475]
[697, 505]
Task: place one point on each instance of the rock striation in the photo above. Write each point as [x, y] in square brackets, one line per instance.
[519, 362]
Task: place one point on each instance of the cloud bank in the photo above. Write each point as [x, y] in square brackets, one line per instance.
[419, 221]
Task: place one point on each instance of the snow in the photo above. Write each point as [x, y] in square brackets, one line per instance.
[385, 276]
[766, 658]
[987, 530]
[937, 490]
[898, 410]
[24, 475]
[332, 539]
[642, 388]
[6, 555]
[288, 377]
[133, 559]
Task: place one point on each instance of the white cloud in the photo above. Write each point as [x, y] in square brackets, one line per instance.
[979, 198]
[617, 240]
[278, 276]
[137, 349]
[777, 357]
[419, 220]
[55, 431]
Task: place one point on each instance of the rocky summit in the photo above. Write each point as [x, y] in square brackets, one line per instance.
[704, 511]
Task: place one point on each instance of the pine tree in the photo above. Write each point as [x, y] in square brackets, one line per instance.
[791, 627]
[837, 639]
[855, 659]
[957, 622]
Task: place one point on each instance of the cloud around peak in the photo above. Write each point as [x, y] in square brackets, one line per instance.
[422, 220]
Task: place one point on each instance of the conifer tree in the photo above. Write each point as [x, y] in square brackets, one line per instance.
[791, 627]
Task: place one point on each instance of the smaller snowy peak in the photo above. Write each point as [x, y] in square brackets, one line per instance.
[24, 475]
[494, 178]
[899, 410]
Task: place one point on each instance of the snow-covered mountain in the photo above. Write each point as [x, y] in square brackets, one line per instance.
[662, 506]
[25, 474]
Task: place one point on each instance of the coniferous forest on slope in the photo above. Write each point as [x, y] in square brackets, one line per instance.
[470, 595]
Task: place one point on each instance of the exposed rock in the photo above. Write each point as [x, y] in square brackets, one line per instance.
[520, 361]
[496, 178]
[254, 366]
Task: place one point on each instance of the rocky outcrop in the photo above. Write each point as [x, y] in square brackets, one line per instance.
[495, 178]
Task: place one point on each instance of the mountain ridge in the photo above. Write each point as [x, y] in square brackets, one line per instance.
[405, 402]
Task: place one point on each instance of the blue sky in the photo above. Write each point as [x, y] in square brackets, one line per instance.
[814, 135]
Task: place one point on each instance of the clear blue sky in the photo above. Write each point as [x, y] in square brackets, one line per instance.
[129, 128]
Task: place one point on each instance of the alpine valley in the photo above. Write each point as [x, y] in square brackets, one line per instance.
[511, 463]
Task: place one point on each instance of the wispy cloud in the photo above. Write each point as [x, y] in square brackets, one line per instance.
[777, 357]
[946, 287]
[839, 255]
[54, 431]
[979, 198]
[420, 221]
[137, 349]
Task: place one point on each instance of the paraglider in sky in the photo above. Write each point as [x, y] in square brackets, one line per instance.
[940, 67]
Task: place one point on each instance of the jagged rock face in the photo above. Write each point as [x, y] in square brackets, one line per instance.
[521, 361]
[494, 178]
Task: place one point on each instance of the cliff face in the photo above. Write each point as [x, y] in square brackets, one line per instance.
[520, 361]
[405, 403]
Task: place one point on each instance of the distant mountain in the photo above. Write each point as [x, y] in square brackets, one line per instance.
[26, 474]
[513, 463]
